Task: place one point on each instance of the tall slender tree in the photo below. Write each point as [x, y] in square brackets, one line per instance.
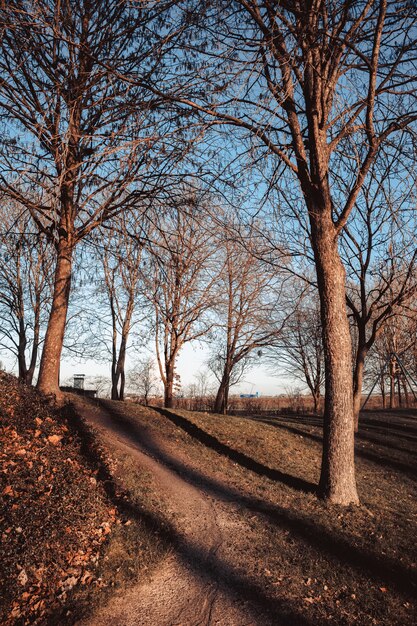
[178, 280]
[379, 253]
[247, 313]
[121, 257]
[300, 348]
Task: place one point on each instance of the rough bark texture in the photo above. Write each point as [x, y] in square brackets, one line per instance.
[48, 380]
[337, 481]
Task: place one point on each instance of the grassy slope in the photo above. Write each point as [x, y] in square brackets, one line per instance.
[341, 566]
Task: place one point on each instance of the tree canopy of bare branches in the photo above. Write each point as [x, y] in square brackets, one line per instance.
[80, 143]
[178, 280]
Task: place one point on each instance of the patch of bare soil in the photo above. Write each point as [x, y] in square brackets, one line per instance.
[250, 542]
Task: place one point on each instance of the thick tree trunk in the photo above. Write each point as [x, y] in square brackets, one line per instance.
[26, 373]
[118, 373]
[114, 387]
[21, 357]
[118, 384]
[383, 394]
[337, 481]
[48, 380]
[34, 357]
[36, 339]
[357, 384]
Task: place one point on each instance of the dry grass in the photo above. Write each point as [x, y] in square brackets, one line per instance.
[354, 565]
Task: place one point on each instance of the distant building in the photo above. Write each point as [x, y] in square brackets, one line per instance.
[78, 387]
[79, 381]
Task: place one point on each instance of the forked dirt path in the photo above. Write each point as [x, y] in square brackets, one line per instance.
[186, 589]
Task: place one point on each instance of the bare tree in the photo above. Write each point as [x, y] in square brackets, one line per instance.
[144, 379]
[121, 257]
[25, 289]
[392, 358]
[313, 85]
[379, 253]
[300, 349]
[178, 282]
[80, 142]
[247, 313]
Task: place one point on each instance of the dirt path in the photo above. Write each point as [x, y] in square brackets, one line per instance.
[186, 589]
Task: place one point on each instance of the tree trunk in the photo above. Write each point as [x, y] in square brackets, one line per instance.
[21, 356]
[118, 372]
[222, 397]
[400, 400]
[226, 398]
[405, 390]
[383, 394]
[34, 357]
[337, 481]
[316, 401]
[114, 386]
[169, 386]
[392, 387]
[48, 380]
[357, 384]
[219, 401]
[122, 384]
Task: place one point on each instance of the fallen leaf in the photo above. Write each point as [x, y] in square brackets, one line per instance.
[87, 578]
[22, 578]
[55, 439]
[69, 583]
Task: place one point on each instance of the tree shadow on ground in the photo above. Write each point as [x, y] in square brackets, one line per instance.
[314, 535]
[380, 457]
[205, 565]
[234, 455]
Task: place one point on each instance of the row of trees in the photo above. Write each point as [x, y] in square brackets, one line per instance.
[104, 104]
[190, 274]
[178, 279]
